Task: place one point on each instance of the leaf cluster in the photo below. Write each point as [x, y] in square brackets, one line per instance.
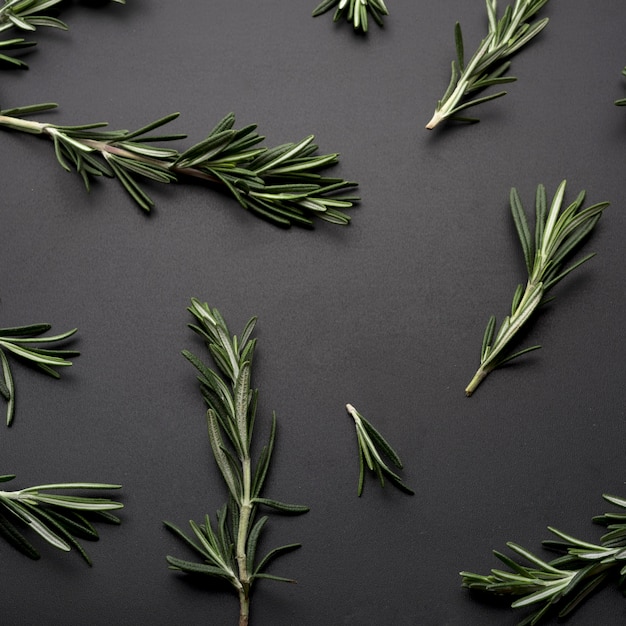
[281, 184]
[59, 519]
[490, 62]
[560, 585]
[372, 448]
[355, 11]
[24, 342]
[26, 16]
[557, 234]
[229, 550]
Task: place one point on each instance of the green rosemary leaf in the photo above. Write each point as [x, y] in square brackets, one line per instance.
[296, 509]
[558, 232]
[270, 556]
[231, 554]
[14, 537]
[504, 38]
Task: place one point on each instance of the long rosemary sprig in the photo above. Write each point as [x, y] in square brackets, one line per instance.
[488, 65]
[355, 11]
[372, 447]
[229, 553]
[558, 232]
[25, 16]
[22, 341]
[560, 585]
[281, 184]
[59, 519]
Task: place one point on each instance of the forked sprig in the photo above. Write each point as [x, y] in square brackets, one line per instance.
[25, 15]
[59, 519]
[558, 232]
[372, 448]
[23, 341]
[622, 101]
[355, 11]
[560, 585]
[488, 65]
[229, 550]
[281, 184]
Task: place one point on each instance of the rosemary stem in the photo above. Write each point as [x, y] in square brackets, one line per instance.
[242, 537]
[27, 126]
[479, 376]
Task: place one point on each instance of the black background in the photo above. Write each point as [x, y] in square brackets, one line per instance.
[387, 314]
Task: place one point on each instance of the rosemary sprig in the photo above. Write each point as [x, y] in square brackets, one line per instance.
[59, 519]
[25, 15]
[281, 184]
[229, 550]
[355, 11]
[22, 341]
[622, 101]
[371, 445]
[560, 585]
[557, 234]
[487, 66]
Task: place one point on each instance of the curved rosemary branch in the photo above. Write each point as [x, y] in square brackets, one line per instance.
[355, 11]
[281, 184]
[558, 232]
[622, 101]
[22, 341]
[59, 519]
[560, 585]
[487, 66]
[25, 16]
[229, 550]
[371, 446]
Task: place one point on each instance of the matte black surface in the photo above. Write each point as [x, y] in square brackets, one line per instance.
[387, 314]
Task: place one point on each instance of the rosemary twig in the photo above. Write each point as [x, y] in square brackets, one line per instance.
[25, 16]
[355, 11]
[229, 553]
[371, 446]
[622, 101]
[59, 519]
[281, 184]
[487, 66]
[558, 232]
[23, 341]
[560, 585]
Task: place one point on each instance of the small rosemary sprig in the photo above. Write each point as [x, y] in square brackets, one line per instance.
[371, 445]
[557, 234]
[281, 184]
[622, 101]
[25, 15]
[355, 11]
[229, 550]
[21, 341]
[59, 519]
[488, 66]
[560, 585]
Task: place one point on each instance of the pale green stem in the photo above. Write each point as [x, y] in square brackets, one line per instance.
[245, 513]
